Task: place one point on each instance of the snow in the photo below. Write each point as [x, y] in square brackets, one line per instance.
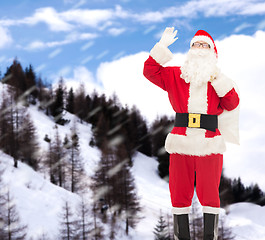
[45, 125]
[38, 201]
[247, 221]
[153, 193]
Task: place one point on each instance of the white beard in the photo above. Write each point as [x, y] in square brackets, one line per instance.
[200, 66]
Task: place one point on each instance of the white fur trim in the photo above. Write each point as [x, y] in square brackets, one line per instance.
[194, 144]
[161, 53]
[202, 38]
[222, 85]
[228, 123]
[210, 210]
[180, 211]
[197, 102]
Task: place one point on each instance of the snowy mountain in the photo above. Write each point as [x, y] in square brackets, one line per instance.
[39, 202]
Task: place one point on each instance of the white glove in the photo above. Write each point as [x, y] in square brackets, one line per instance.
[168, 36]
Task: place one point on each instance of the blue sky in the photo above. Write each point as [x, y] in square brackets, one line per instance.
[57, 36]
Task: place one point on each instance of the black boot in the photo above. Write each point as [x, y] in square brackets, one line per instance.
[210, 222]
[181, 227]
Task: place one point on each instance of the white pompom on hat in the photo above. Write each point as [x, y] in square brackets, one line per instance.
[202, 35]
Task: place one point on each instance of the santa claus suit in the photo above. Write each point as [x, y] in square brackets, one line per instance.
[193, 149]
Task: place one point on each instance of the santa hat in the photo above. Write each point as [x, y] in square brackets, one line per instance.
[202, 35]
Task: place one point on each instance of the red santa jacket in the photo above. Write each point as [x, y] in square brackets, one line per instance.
[209, 98]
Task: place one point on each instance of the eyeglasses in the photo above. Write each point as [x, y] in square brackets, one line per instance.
[204, 45]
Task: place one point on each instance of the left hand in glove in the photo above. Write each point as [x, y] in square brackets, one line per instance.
[168, 36]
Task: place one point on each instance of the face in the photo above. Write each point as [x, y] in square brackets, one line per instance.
[201, 44]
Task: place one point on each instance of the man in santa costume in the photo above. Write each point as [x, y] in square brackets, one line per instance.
[206, 105]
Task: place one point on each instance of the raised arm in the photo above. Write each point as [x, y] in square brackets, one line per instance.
[159, 55]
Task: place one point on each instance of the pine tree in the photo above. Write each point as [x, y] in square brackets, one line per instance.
[225, 191]
[97, 231]
[59, 163]
[84, 223]
[129, 202]
[5, 125]
[68, 229]
[74, 164]
[80, 105]
[18, 137]
[70, 104]
[55, 160]
[256, 194]
[238, 190]
[2, 206]
[100, 132]
[45, 97]
[28, 142]
[137, 132]
[161, 229]
[31, 85]
[15, 77]
[42, 92]
[49, 159]
[159, 130]
[10, 125]
[95, 109]
[12, 229]
[57, 106]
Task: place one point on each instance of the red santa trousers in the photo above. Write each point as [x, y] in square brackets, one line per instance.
[182, 171]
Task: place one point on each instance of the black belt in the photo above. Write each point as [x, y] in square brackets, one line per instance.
[196, 120]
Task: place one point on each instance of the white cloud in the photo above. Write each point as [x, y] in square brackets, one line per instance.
[253, 9]
[116, 31]
[70, 19]
[125, 77]
[71, 38]
[242, 59]
[92, 18]
[100, 19]
[49, 16]
[81, 75]
[208, 8]
[5, 37]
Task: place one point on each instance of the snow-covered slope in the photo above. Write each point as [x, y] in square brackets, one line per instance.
[45, 125]
[153, 193]
[38, 201]
[247, 221]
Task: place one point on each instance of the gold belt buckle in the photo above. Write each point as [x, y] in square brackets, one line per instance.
[194, 120]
